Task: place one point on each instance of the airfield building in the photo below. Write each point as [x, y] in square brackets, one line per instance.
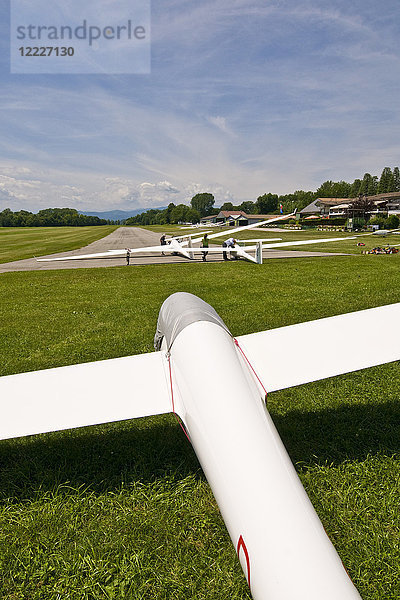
[379, 204]
[234, 218]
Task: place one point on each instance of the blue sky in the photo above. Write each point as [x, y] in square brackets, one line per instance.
[244, 97]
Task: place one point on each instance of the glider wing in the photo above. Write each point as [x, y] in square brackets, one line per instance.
[84, 394]
[264, 240]
[122, 252]
[314, 350]
[307, 242]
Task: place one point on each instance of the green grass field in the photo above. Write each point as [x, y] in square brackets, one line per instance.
[123, 510]
[17, 243]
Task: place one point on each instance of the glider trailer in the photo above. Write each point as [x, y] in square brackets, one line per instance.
[280, 541]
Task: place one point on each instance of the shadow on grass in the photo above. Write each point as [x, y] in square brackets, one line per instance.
[101, 458]
[336, 435]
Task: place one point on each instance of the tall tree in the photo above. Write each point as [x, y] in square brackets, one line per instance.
[373, 186]
[183, 213]
[325, 190]
[7, 218]
[168, 210]
[396, 180]
[386, 181]
[368, 185]
[267, 203]
[248, 207]
[178, 213]
[355, 188]
[203, 203]
[227, 206]
[333, 189]
[192, 215]
[299, 199]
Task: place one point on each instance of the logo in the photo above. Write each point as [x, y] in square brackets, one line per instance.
[80, 37]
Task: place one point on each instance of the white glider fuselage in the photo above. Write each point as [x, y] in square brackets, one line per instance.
[280, 541]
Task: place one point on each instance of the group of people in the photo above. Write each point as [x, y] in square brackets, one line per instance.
[229, 243]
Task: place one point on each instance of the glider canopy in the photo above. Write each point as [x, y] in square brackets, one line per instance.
[180, 310]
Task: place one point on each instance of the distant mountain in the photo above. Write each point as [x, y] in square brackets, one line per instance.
[117, 215]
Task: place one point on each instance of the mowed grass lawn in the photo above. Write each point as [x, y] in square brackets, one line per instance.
[123, 510]
[17, 243]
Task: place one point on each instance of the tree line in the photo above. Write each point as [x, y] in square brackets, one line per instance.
[49, 217]
[203, 204]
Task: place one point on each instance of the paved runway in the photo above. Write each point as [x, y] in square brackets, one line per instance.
[129, 237]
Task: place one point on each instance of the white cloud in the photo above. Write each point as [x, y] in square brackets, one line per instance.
[51, 188]
[220, 123]
[125, 193]
[34, 194]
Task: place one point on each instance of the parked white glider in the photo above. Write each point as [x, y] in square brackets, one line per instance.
[383, 232]
[187, 250]
[175, 245]
[281, 544]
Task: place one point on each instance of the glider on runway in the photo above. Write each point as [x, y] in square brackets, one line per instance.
[183, 246]
[175, 247]
[279, 539]
[179, 245]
